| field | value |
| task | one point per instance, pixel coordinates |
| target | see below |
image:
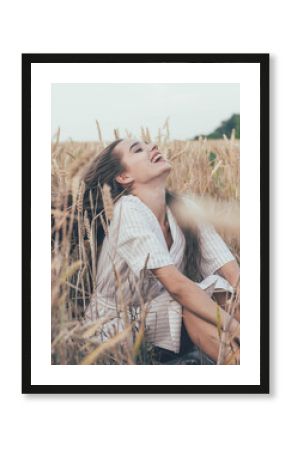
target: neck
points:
(154, 198)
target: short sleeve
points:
(215, 251)
(136, 236)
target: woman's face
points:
(142, 162)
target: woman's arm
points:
(231, 272)
(192, 297)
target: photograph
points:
(148, 187)
(136, 256)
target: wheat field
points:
(208, 171)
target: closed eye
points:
(138, 150)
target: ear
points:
(124, 179)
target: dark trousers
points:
(189, 353)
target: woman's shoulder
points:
(131, 202)
(127, 201)
(130, 206)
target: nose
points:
(154, 147)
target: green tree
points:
(226, 128)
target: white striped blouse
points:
(135, 244)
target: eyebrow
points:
(135, 143)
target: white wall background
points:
(204, 421)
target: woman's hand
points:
(190, 295)
(202, 316)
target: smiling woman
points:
(150, 262)
(140, 163)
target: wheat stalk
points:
(108, 201)
(205, 171)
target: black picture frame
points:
(263, 61)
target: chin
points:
(165, 170)
(167, 167)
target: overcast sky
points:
(192, 108)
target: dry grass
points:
(206, 171)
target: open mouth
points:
(157, 158)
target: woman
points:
(157, 261)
